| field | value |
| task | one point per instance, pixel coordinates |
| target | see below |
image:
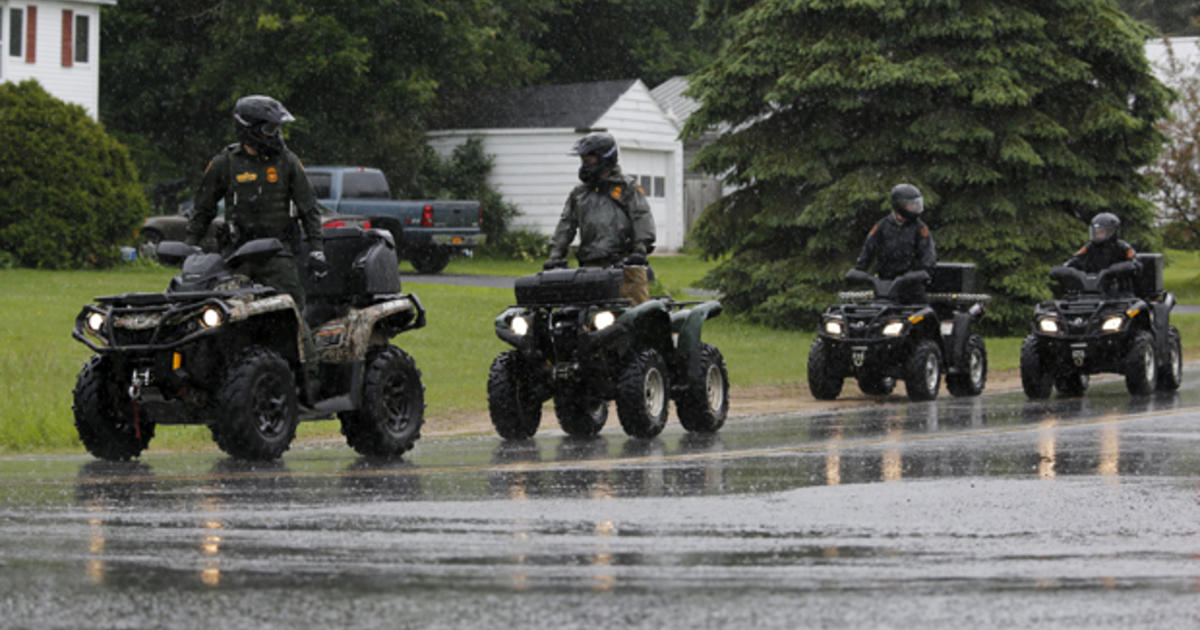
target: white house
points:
(530, 131)
(57, 43)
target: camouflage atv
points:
(218, 350)
(577, 341)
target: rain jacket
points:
(1092, 258)
(613, 220)
(897, 248)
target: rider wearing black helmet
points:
(1106, 247)
(900, 242)
(611, 214)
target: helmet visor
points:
(270, 128)
(1100, 232)
(912, 207)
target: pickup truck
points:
(427, 232)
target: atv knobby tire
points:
(257, 402)
(104, 413)
(515, 409)
(923, 371)
(580, 415)
(703, 404)
(824, 380)
(393, 405)
(971, 382)
(642, 393)
(1170, 370)
(1141, 364)
(1036, 377)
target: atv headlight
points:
(1113, 323)
(211, 317)
(834, 328)
(519, 325)
(893, 328)
(603, 320)
(95, 322)
(1048, 325)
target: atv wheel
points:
(104, 414)
(824, 381)
(1170, 371)
(431, 259)
(873, 383)
(642, 393)
(516, 411)
(257, 401)
(923, 371)
(1140, 364)
(1073, 384)
(1036, 378)
(703, 406)
(971, 382)
(393, 410)
(580, 415)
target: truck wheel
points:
(824, 381)
(1073, 384)
(257, 402)
(1036, 378)
(872, 383)
(515, 410)
(1170, 371)
(431, 259)
(1140, 364)
(642, 393)
(393, 410)
(704, 404)
(104, 414)
(971, 382)
(580, 415)
(923, 371)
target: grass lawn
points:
(39, 360)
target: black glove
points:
(554, 263)
(317, 267)
(635, 259)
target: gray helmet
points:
(1104, 227)
(907, 201)
(602, 145)
(259, 120)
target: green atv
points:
(218, 350)
(577, 341)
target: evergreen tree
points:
(1018, 119)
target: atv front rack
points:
(933, 298)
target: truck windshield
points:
(365, 185)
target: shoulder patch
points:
(874, 229)
(208, 168)
(616, 192)
(1129, 253)
(641, 190)
(1082, 251)
(924, 232)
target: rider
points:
(1105, 249)
(612, 216)
(900, 242)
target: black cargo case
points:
(569, 286)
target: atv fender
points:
(651, 325)
(351, 337)
(957, 346)
(284, 308)
(686, 323)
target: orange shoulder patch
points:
(874, 229)
(206, 168)
(641, 190)
(1129, 253)
(616, 192)
(924, 232)
(1082, 251)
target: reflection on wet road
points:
(991, 511)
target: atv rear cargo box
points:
(562, 286)
(953, 278)
(1149, 282)
(362, 263)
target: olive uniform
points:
(614, 221)
(259, 191)
(897, 248)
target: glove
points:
(554, 263)
(317, 267)
(638, 260)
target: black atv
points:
(897, 330)
(577, 341)
(1115, 321)
(219, 350)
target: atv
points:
(577, 341)
(896, 330)
(1118, 320)
(219, 350)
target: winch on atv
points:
(219, 350)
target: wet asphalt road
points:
(990, 512)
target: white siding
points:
(78, 83)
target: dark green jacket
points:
(258, 192)
(613, 220)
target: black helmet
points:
(602, 145)
(907, 201)
(259, 120)
(1104, 228)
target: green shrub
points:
(69, 193)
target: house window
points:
(82, 35)
(645, 184)
(660, 186)
(16, 22)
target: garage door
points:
(651, 169)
